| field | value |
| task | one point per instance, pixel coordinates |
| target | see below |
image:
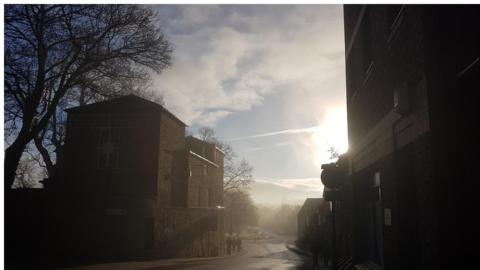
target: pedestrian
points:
(239, 243)
(234, 242)
(229, 244)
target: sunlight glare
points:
(332, 132)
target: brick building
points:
(130, 185)
(412, 74)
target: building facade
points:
(412, 72)
(313, 213)
(130, 185)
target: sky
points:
(270, 80)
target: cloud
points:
(230, 58)
(280, 144)
(281, 132)
(256, 73)
(209, 118)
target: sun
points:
(331, 132)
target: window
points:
(207, 197)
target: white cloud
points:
(230, 62)
(281, 132)
(231, 58)
(209, 118)
(280, 144)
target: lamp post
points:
(333, 178)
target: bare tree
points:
(237, 174)
(207, 134)
(29, 172)
(240, 210)
(53, 50)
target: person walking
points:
(234, 242)
(239, 243)
(229, 244)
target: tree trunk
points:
(12, 157)
(45, 156)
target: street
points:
(270, 254)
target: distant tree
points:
(240, 210)
(282, 219)
(207, 134)
(237, 174)
(58, 51)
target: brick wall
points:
(170, 149)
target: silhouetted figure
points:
(229, 244)
(234, 242)
(315, 245)
(239, 243)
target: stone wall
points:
(190, 232)
(171, 164)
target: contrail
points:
(286, 131)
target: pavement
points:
(277, 253)
(144, 265)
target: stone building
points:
(130, 185)
(412, 74)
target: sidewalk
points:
(143, 265)
(297, 250)
(308, 257)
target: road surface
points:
(269, 254)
